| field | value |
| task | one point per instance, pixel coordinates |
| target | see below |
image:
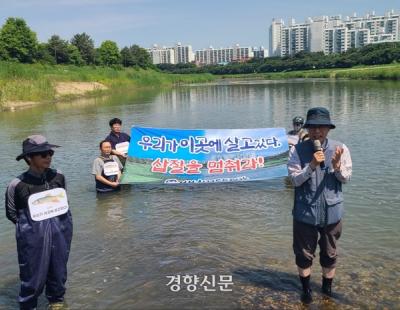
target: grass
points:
(380, 72)
(36, 82)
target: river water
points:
(126, 244)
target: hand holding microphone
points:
(318, 157)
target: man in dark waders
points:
(107, 169)
(318, 167)
(36, 203)
(118, 139)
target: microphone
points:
(317, 147)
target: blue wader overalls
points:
(43, 246)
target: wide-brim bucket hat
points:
(35, 144)
(318, 117)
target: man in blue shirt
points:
(317, 168)
(117, 138)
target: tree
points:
(108, 53)
(97, 57)
(140, 57)
(75, 57)
(3, 52)
(85, 46)
(17, 41)
(58, 48)
(126, 57)
(136, 56)
(43, 54)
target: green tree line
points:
(372, 54)
(18, 43)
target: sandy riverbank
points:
(77, 88)
(62, 89)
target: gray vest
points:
(319, 200)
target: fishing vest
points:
(319, 200)
(101, 187)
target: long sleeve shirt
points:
(299, 175)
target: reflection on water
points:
(125, 244)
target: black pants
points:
(305, 240)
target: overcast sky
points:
(219, 23)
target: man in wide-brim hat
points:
(317, 168)
(43, 236)
(35, 144)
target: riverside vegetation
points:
(37, 82)
(31, 71)
(374, 61)
(379, 72)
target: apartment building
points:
(223, 55)
(241, 54)
(171, 55)
(162, 55)
(333, 34)
(183, 53)
(275, 37)
(260, 52)
(212, 55)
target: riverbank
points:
(23, 85)
(380, 72)
(63, 91)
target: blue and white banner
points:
(176, 156)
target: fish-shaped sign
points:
(48, 204)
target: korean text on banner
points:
(173, 156)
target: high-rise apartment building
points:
(260, 52)
(333, 34)
(275, 37)
(183, 54)
(242, 53)
(223, 55)
(162, 55)
(171, 55)
(212, 55)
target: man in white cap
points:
(37, 204)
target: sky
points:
(217, 23)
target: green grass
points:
(380, 72)
(36, 82)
